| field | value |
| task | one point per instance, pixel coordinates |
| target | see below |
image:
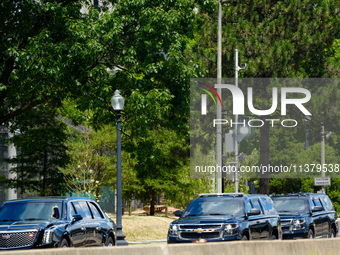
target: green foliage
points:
(229, 186)
(41, 150)
(92, 163)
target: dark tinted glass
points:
(290, 204)
(269, 205)
(257, 205)
(71, 210)
(215, 206)
(317, 202)
(82, 209)
(327, 203)
(96, 213)
(86, 210)
(249, 206)
(29, 211)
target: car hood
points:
(205, 220)
(24, 225)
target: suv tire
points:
(244, 238)
(310, 233)
(64, 243)
(332, 234)
(110, 242)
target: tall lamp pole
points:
(323, 154)
(117, 102)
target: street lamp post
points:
(117, 102)
(323, 154)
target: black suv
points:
(226, 216)
(60, 222)
(306, 215)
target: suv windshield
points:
(28, 211)
(215, 206)
(290, 204)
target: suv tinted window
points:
(291, 204)
(95, 212)
(327, 203)
(257, 205)
(215, 206)
(249, 206)
(268, 204)
(317, 202)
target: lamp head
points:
(117, 101)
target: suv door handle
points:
(258, 222)
(83, 228)
(98, 228)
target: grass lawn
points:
(140, 227)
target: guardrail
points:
(296, 247)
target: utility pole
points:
(219, 107)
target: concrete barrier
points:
(294, 247)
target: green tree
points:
(41, 150)
(275, 39)
(92, 161)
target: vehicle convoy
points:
(59, 222)
(225, 217)
(306, 215)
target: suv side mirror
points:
(76, 217)
(317, 209)
(178, 213)
(253, 212)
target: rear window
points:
(29, 211)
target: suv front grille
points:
(16, 239)
(194, 232)
(286, 225)
(203, 235)
(200, 226)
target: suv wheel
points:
(310, 233)
(64, 243)
(332, 235)
(245, 238)
(274, 237)
(110, 242)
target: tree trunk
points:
(264, 157)
(130, 213)
(152, 207)
(166, 210)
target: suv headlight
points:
(47, 238)
(299, 224)
(230, 229)
(173, 230)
